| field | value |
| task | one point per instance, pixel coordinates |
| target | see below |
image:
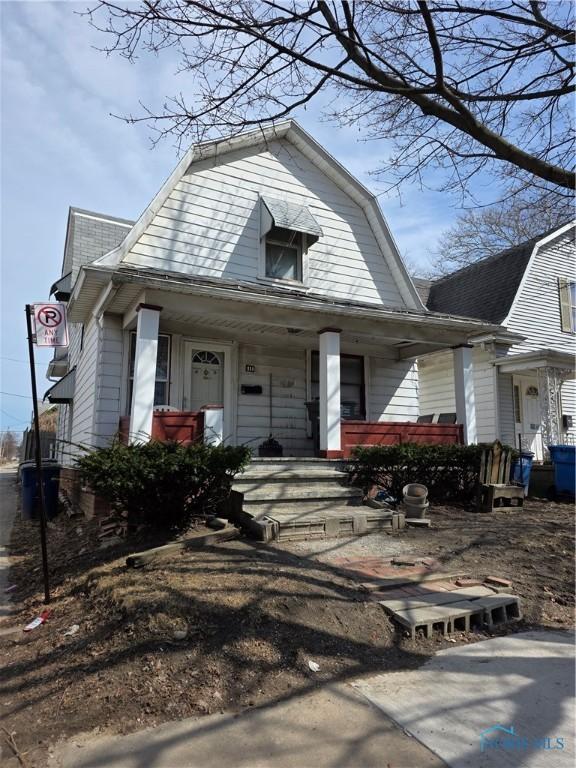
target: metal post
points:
(38, 453)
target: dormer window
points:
(284, 254)
(287, 230)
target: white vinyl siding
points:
(109, 380)
(393, 390)
(437, 395)
(289, 418)
(436, 385)
(568, 401)
(210, 226)
(536, 313)
(84, 394)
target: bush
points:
(163, 484)
(450, 472)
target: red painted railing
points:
(180, 426)
(356, 433)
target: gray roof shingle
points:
(484, 290)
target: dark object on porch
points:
(447, 418)
(495, 488)
(564, 458)
(427, 419)
(251, 389)
(270, 449)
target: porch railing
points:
(179, 426)
(364, 433)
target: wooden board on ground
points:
(196, 541)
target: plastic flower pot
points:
(415, 489)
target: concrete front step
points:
(300, 491)
(339, 521)
(291, 463)
(311, 507)
(259, 474)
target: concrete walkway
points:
(522, 682)
(331, 728)
(8, 507)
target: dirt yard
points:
(236, 626)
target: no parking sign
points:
(50, 326)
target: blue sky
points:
(60, 146)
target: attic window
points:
(286, 231)
(283, 254)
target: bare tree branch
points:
(458, 88)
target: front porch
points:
(318, 376)
(542, 399)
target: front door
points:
(203, 378)
(529, 425)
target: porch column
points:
(549, 384)
(464, 391)
(329, 354)
(144, 383)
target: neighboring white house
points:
(525, 393)
(260, 278)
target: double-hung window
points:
(162, 382)
(283, 254)
(567, 296)
(352, 385)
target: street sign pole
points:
(38, 452)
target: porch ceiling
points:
(257, 309)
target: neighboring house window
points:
(567, 295)
(161, 389)
(284, 254)
(352, 400)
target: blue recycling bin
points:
(521, 469)
(564, 460)
(30, 496)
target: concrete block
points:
(418, 522)
(500, 609)
(444, 618)
(332, 527)
(359, 524)
(400, 520)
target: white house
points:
(261, 277)
(525, 393)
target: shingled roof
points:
(484, 290)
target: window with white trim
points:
(162, 385)
(283, 258)
(567, 296)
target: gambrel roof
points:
(486, 289)
(293, 133)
